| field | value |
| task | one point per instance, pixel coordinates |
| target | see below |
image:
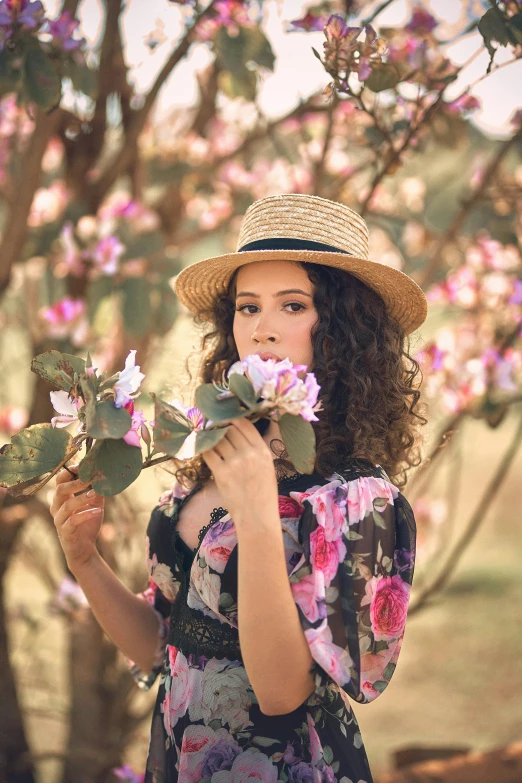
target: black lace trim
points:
(192, 632)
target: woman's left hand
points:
(244, 472)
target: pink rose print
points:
(218, 543)
(333, 659)
(289, 508)
(252, 766)
(326, 554)
(363, 492)
(327, 507)
(310, 597)
(185, 689)
(388, 597)
(316, 749)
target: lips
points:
(267, 355)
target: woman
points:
(264, 623)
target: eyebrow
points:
(279, 293)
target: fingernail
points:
(90, 493)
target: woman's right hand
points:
(78, 520)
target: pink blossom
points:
(127, 774)
(13, 418)
(128, 382)
(67, 407)
(464, 104)
(107, 254)
(309, 23)
(421, 21)
(62, 313)
(69, 597)
(132, 437)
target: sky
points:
(298, 73)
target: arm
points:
(127, 619)
(275, 651)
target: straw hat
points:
(298, 227)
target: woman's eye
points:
(289, 304)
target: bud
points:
(145, 434)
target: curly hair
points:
(362, 364)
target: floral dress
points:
(350, 549)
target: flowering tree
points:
(96, 214)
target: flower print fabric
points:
(350, 550)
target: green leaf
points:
(164, 308)
(217, 410)
(136, 305)
(235, 51)
(207, 439)
(242, 84)
(388, 671)
(379, 519)
(242, 388)
(108, 421)
(515, 27)
(42, 81)
(58, 368)
(99, 289)
(143, 245)
(33, 452)
(384, 76)
(83, 78)
(316, 53)
(299, 439)
(171, 427)
(111, 466)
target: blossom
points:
(277, 383)
(67, 407)
(129, 381)
(127, 774)
(28, 13)
(464, 104)
(132, 437)
(107, 254)
(196, 418)
(62, 30)
(69, 597)
(421, 21)
(309, 23)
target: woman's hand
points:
(77, 519)
(244, 471)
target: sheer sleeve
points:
(352, 584)
(163, 587)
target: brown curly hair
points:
(362, 364)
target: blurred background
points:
(133, 136)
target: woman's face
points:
(274, 311)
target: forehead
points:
(266, 275)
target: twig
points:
(483, 506)
(375, 14)
(119, 164)
(427, 275)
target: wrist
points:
(80, 567)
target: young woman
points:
(276, 598)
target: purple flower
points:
(421, 21)
(516, 296)
(219, 757)
(309, 23)
(107, 254)
(277, 383)
(301, 772)
(62, 30)
(464, 104)
(28, 13)
(402, 559)
(127, 774)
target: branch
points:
(395, 155)
(320, 164)
(13, 240)
(427, 275)
(375, 14)
(483, 506)
(98, 190)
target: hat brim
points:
(199, 284)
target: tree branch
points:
(427, 275)
(98, 190)
(483, 506)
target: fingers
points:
(65, 496)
